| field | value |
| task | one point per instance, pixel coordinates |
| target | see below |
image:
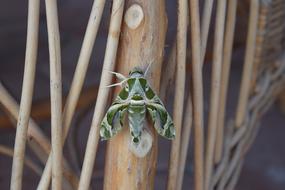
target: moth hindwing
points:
(135, 100)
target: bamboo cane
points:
(227, 52)
(139, 46)
(106, 78)
(206, 21)
(37, 140)
(27, 161)
(168, 74)
(55, 92)
(178, 106)
(186, 132)
(248, 63)
(78, 79)
(197, 96)
(215, 90)
(27, 94)
(35, 136)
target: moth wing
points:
(113, 120)
(161, 118)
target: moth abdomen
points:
(136, 117)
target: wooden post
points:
(141, 43)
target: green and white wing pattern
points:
(161, 118)
(113, 120)
(135, 98)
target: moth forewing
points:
(113, 120)
(161, 119)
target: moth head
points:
(136, 72)
(139, 72)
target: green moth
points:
(136, 100)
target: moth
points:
(136, 100)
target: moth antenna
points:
(147, 69)
(116, 84)
(118, 75)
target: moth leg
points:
(113, 121)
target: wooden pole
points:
(140, 45)
(27, 94)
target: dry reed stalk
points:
(206, 21)
(82, 64)
(235, 176)
(178, 106)
(40, 110)
(168, 74)
(139, 46)
(35, 136)
(27, 161)
(215, 90)
(78, 79)
(197, 96)
(27, 94)
(106, 78)
(248, 64)
(37, 140)
(186, 132)
(227, 54)
(55, 92)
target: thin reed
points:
(137, 38)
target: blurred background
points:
(264, 166)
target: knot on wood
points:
(134, 16)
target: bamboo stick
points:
(35, 137)
(106, 78)
(206, 21)
(248, 64)
(179, 92)
(215, 90)
(27, 161)
(55, 92)
(186, 132)
(139, 46)
(227, 54)
(197, 96)
(40, 110)
(78, 79)
(37, 140)
(27, 94)
(168, 74)
(82, 64)
(235, 176)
